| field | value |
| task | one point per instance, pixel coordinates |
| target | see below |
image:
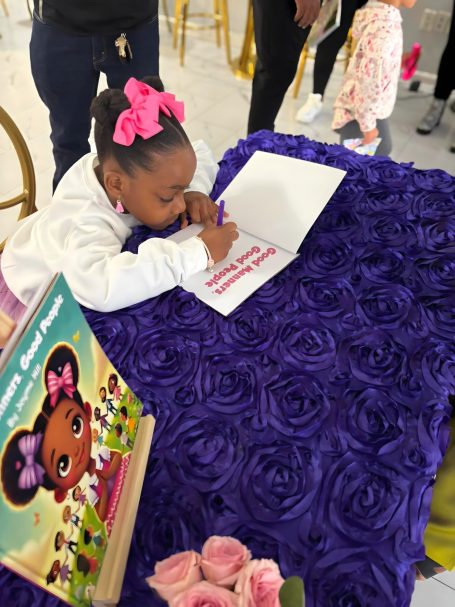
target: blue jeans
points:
(66, 70)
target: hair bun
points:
(155, 82)
(107, 107)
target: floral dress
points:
(370, 84)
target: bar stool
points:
(220, 19)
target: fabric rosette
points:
(209, 451)
(373, 356)
(168, 358)
(297, 405)
(278, 483)
(370, 499)
(229, 383)
(307, 346)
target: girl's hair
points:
(13, 460)
(107, 107)
(124, 411)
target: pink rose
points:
(205, 594)
(259, 584)
(175, 574)
(222, 560)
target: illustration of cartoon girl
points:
(111, 408)
(55, 454)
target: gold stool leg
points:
(243, 66)
(178, 13)
(216, 15)
(5, 8)
(225, 19)
(166, 14)
(182, 44)
(300, 70)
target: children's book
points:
(327, 22)
(274, 200)
(73, 451)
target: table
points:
(311, 422)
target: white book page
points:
(249, 264)
(278, 198)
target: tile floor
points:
(217, 107)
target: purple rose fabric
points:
(311, 422)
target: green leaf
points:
(292, 593)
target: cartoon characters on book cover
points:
(67, 427)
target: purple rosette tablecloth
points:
(310, 423)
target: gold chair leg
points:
(178, 14)
(166, 14)
(227, 39)
(217, 13)
(5, 8)
(182, 43)
(300, 70)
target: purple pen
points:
(219, 221)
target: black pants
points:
(446, 73)
(279, 42)
(66, 69)
(327, 51)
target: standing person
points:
(369, 90)
(281, 28)
(71, 43)
(326, 54)
(445, 84)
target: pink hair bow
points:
(64, 382)
(142, 117)
(32, 474)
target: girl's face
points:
(154, 198)
(66, 444)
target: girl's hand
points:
(200, 208)
(219, 239)
(369, 136)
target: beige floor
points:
(216, 107)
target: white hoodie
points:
(81, 235)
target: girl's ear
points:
(88, 409)
(59, 495)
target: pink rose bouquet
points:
(223, 576)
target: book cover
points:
(274, 200)
(68, 424)
(327, 22)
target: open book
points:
(73, 452)
(274, 200)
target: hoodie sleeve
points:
(206, 169)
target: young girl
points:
(55, 454)
(144, 173)
(369, 89)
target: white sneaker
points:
(310, 109)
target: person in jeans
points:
(326, 54)
(281, 28)
(445, 84)
(71, 44)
